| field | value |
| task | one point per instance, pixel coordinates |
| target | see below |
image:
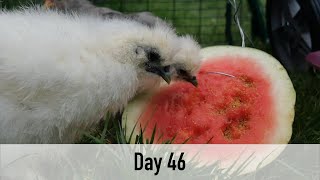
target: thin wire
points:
(246, 37)
(222, 73)
(236, 18)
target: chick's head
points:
(186, 61)
(159, 53)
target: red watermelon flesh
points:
(254, 106)
(221, 108)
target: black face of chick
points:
(186, 76)
(154, 65)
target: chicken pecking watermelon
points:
(252, 103)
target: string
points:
(221, 73)
(237, 21)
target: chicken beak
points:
(192, 80)
(162, 71)
(165, 75)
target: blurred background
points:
(210, 21)
(287, 29)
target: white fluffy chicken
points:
(60, 73)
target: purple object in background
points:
(314, 59)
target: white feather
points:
(59, 73)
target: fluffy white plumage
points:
(59, 73)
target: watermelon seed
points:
(248, 82)
(243, 124)
(227, 133)
(236, 103)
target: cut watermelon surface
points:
(256, 105)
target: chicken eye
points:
(166, 68)
(153, 56)
(182, 72)
(139, 50)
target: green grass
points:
(306, 126)
(208, 26)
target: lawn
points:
(205, 20)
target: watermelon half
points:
(253, 107)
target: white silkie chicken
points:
(60, 73)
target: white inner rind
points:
(132, 114)
(282, 91)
